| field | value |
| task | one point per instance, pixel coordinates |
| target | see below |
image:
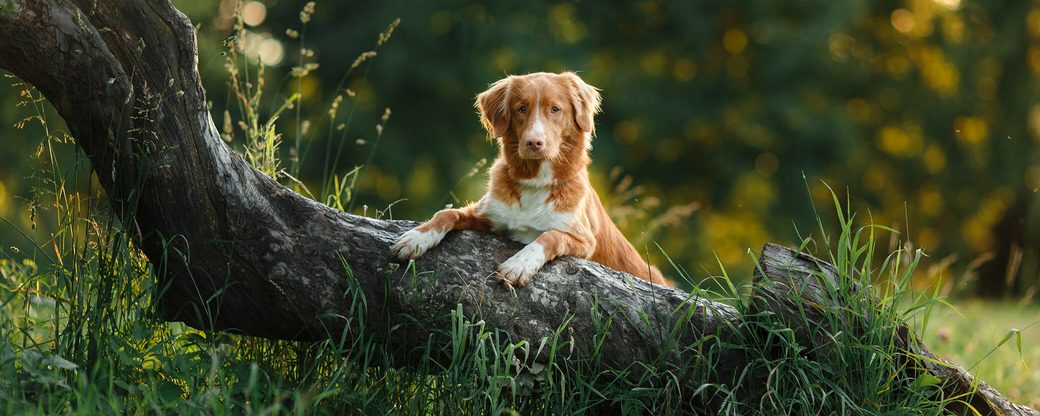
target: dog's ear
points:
(585, 99)
(494, 107)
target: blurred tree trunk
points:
(240, 252)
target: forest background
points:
(723, 123)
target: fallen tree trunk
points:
(239, 252)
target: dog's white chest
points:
(534, 214)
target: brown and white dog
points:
(538, 192)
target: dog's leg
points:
(418, 240)
(520, 268)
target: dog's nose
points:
(535, 143)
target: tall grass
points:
(852, 365)
(79, 334)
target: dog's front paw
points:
(414, 243)
(519, 269)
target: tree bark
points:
(239, 252)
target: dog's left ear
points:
(585, 99)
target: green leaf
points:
(56, 361)
(169, 392)
(926, 380)
(1008, 336)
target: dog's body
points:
(539, 191)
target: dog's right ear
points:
(494, 107)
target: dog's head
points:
(540, 115)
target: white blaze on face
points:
(535, 131)
(537, 128)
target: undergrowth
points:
(79, 334)
(852, 364)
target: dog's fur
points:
(539, 191)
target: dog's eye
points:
(522, 109)
(555, 109)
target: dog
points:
(538, 191)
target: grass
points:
(847, 362)
(78, 334)
(970, 334)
